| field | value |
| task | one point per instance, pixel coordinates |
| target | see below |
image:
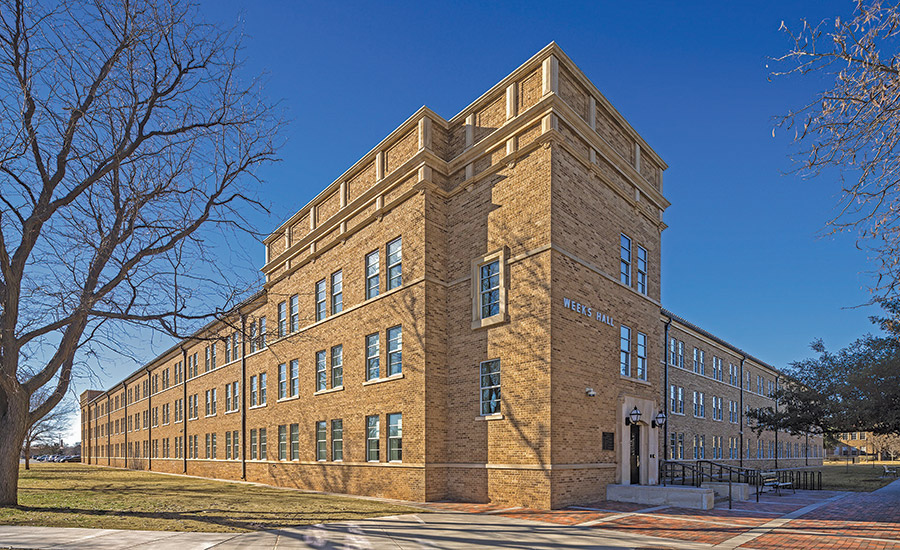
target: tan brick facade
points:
(540, 175)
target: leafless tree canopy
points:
(854, 125)
(126, 132)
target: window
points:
(676, 397)
(235, 396)
(372, 274)
(677, 446)
(262, 388)
(490, 289)
(641, 356)
(321, 441)
(227, 397)
(228, 446)
(490, 387)
(625, 260)
(253, 391)
(282, 381)
(206, 367)
(395, 437)
(212, 355)
(295, 441)
(732, 374)
(294, 312)
(718, 370)
(642, 270)
(337, 366)
(733, 412)
(211, 402)
(295, 377)
(253, 441)
(282, 442)
(394, 263)
(321, 375)
(673, 353)
(717, 409)
(337, 440)
(337, 292)
(262, 333)
(235, 345)
(372, 437)
(625, 351)
(395, 350)
(372, 357)
(214, 451)
(253, 340)
(282, 319)
(681, 354)
(699, 446)
(699, 407)
(262, 444)
(321, 307)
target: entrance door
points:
(635, 454)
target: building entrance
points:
(635, 454)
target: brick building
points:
(469, 312)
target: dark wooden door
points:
(635, 454)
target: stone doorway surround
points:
(649, 441)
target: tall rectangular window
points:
(641, 356)
(263, 451)
(228, 446)
(262, 388)
(262, 333)
(337, 292)
(253, 442)
(395, 437)
(295, 377)
(295, 441)
(282, 381)
(337, 440)
(702, 363)
(321, 301)
(673, 353)
(212, 355)
(490, 387)
(282, 442)
(372, 357)
(394, 263)
(235, 396)
(282, 319)
(395, 350)
(235, 346)
(490, 289)
(294, 311)
(253, 391)
(373, 266)
(227, 397)
(321, 374)
(625, 259)
(206, 359)
(373, 433)
(253, 340)
(235, 445)
(337, 366)
(321, 440)
(625, 351)
(214, 450)
(642, 270)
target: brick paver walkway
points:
(805, 520)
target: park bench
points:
(770, 481)
(890, 472)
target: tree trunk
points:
(27, 454)
(12, 435)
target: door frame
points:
(649, 441)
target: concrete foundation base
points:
(739, 491)
(699, 498)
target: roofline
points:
(682, 321)
(146, 366)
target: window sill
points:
(491, 321)
(635, 380)
(397, 376)
(209, 415)
(283, 399)
(257, 406)
(232, 412)
(329, 390)
(489, 417)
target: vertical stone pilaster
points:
(592, 113)
(470, 130)
(511, 101)
(424, 133)
(551, 75)
(379, 166)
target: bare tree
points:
(854, 125)
(127, 137)
(48, 428)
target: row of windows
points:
(329, 292)
(762, 449)
(764, 386)
(676, 405)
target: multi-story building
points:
(470, 312)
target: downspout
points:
(243, 396)
(741, 411)
(108, 435)
(665, 389)
(149, 420)
(776, 427)
(184, 411)
(125, 419)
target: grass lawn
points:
(858, 477)
(76, 495)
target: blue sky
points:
(744, 255)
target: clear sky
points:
(745, 255)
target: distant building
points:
(469, 312)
